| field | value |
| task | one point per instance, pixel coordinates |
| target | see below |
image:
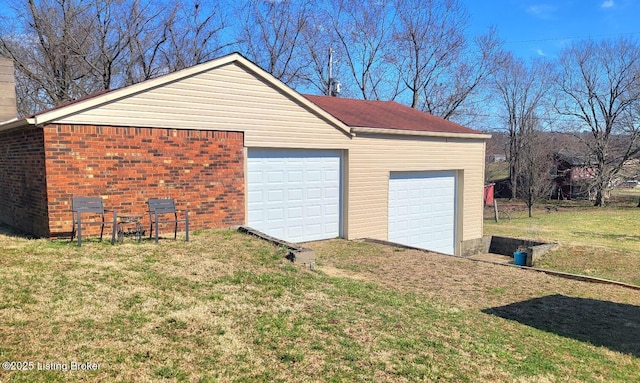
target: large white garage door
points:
(422, 210)
(294, 194)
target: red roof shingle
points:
(385, 115)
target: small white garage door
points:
(294, 194)
(422, 210)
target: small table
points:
(129, 224)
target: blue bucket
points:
(520, 258)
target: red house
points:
(572, 174)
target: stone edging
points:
(561, 274)
(296, 254)
(577, 277)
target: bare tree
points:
(429, 37)
(65, 49)
(535, 159)
(438, 65)
(194, 34)
(599, 91)
(318, 41)
(104, 45)
(521, 91)
(147, 30)
(362, 31)
(465, 78)
(317, 49)
(271, 36)
(45, 44)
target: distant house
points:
(496, 158)
(572, 175)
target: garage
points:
(294, 194)
(237, 147)
(422, 210)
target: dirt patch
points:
(453, 280)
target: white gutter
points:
(400, 132)
(16, 123)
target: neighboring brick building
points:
(236, 146)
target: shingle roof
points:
(385, 115)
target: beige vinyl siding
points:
(371, 159)
(225, 98)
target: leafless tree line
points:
(416, 52)
(594, 88)
(66, 49)
(412, 51)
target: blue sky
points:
(532, 28)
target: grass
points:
(227, 307)
(497, 171)
(602, 242)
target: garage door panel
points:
(314, 175)
(331, 175)
(314, 212)
(332, 192)
(295, 212)
(275, 214)
(295, 194)
(275, 196)
(422, 210)
(295, 176)
(305, 184)
(275, 177)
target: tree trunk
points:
(599, 198)
(513, 174)
(530, 202)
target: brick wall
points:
(202, 170)
(23, 189)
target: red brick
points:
(127, 166)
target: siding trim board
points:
(380, 131)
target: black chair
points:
(89, 206)
(163, 210)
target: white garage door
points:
(422, 210)
(294, 194)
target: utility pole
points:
(330, 83)
(334, 86)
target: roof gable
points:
(109, 97)
(350, 116)
(386, 115)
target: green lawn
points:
(227, 307)
(602, 242)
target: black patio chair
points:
(93, 207)
(163, 210)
